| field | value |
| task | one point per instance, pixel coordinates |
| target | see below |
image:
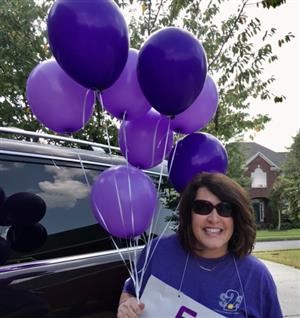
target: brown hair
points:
(244, 232)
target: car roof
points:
(41, 147)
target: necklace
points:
(208, 269)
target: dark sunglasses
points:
(202, 207)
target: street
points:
(277, 245)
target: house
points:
(262, 167)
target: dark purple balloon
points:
(57, 100)
(2, 196)
(26, 238)
(3, 214)
(146, 137)
(125, 95)
(4, 251)
(171, 70)
(132, 190)
(89, 40)
(199, 114)
(24, 208)
(195, 153)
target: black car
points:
(76, 270)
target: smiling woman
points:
(205, 269)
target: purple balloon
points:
(199, 114)
(142, 140)
(23, 208)
(27, 238)
(195, 153)
(125, 95)
(171, 70)
(57, 101)
(89, 40)
(124, 201)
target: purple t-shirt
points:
(231, 287)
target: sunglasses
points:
(202, 207)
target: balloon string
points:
(123, 259)
(172, 159)
(146, 263)
(154, 141)
(148, 256)
(119, 203)
(159, 182)
(131, 271)
(84, 107)
(136, 281)
(101, 217)
(105, 126)
(150, 237)
(56, 166)
(164, 155)
(84, 173)
(124, 136)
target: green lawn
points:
(287, 257)
(266, 235)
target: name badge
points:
(164, 301)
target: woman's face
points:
(211, 231)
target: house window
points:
(258, 178)
(259, 211)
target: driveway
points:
(287, 280)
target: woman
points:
(209, 258)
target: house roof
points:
(252, 149)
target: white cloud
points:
(63, 193)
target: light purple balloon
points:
(142, 140)
(125, 95)
(56, 100)
(202, 110)
(124, 201)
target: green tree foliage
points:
(22, 46)
(234, 61)
(285, 195)
(236, 165)
(272, 3)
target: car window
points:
(64, 187)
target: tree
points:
(23, 44)
(236, 165)
(285, 195)
(233, 59)
(272, 3)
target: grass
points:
(286, 257)
(274, 235)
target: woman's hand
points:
(129, 307)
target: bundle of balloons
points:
(22, 212)
(162, 89)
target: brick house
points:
(262, 167)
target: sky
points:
(285, 117)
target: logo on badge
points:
(230, 300)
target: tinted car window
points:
(70, 224)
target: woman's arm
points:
(129, 306)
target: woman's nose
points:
(213, 216)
